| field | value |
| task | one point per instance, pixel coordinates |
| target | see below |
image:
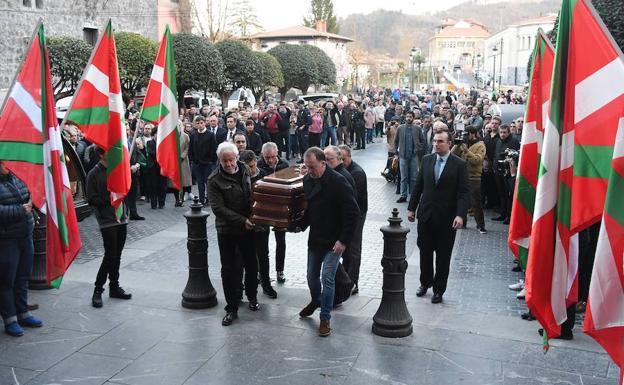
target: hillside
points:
(394, 33)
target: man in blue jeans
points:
(409, 147)
(332, 215)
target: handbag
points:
(395, 164)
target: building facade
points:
(507, 53)
(335, 46)
(78, 18)
(457, 43)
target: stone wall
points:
(68, 18)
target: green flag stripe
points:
(153, 113)
(21, 152)
(523, 256)
(592, 161)
(57, 282)
(615, 204)
(526, 194)
(564, 204)
(114, 156)
(89, 116)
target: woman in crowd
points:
(16, 253)
(316, 128)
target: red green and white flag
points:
(97, 109)
(161, 108)
(604, 316)
(32, 148)
(535, 119)
(586, 105)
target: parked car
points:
(315, 98)
(241, 95)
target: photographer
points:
(501, 166)
(471, 148)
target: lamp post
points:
(500, 67)
(495, 49)
(412, 59)
(478, 66)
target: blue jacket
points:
(15, 223)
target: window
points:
(27, 3)
(302, 42)
(282, 42)
(461, 43)
(90, 35)
(39, 4)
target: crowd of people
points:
(459, 136)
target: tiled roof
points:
(298, 31)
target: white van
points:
(240, 95)
(315, 98)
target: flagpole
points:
(84, 74)
(21, 65)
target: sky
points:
(275, 14)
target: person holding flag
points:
(113, 228)
(16, 253)
(98, 109)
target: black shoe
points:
(421, 291)
(280, 277)
(401, 199)
(566, 335)
(506, 221)
(516, 269)
(528, 316)
(437, 298)
(118, 292)
(96, 300)
(309, 309)
(136, 217)
(254, 305)
(179, 204)
(355, 290)
(499, 218)
(482, 230)
(229, 318)
(269, 291)
(161, 207)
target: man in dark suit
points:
(442, 196)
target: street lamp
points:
(495, 50)
(413, 59)
(478, 72)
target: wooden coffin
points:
(278, 198)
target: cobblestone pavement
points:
(474, 337)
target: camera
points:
(461, 137)
(506, 159)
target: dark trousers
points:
(282, 141)
(352, 257)
(315, 139)
(503, 195)
(201, 172)
(360, 137)
(379, 129)
(157, 187)
(435, 238)
(232, 264)
(16, 261)
(488, 187)
(261, 244)
(114, 239)
(476, 200)
(302, 137)
(132, 195)
(588, 239)
(280, 249)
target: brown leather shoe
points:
(324, 329)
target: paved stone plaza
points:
(475, 337)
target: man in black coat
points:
(269, 163)
(203, 155)
(505, 141)
(442, 196)
(332, 215)
(353, 256)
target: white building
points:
(514, 46)
(335, 46)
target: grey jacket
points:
(418, 137)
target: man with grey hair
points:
(230, 198)
(333, 157)
(269, 163)
(353, 256)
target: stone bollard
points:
(392, 318)
(199, 292)
(37, 279)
